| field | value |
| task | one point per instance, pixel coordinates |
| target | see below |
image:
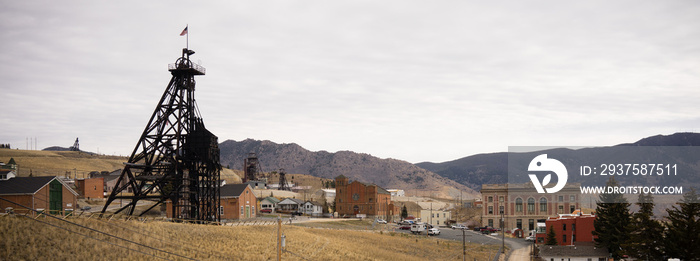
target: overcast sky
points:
(410, 80)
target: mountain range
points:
(387, 173)
(446, 178)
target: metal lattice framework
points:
(176, 160)
(283, 181)
(76, 146)
(251, 168)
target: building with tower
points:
(359, 198)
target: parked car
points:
(488, 230)
(85, 208)
(433, 231)
(458, 226)
(381, 221)
(266, 210)
(530, 238)
(405, 227)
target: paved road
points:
(519, 247)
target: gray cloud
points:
(408, 80)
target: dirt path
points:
(520, 254)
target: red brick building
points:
(236, 202)
(90, 188)
(570, 229)
(40, 193)
(353, 198)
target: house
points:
(39, 193)
(90, 188)
(110, 180)
(570, 229)
(269, 203)
(237, 202)
(290, 205)
(7, 174)
(358, 198)
(573, 253)
(435, 217)
(397, 192)
(313, 208)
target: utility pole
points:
(464, 246)
(279, 237)
(503, 232)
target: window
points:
(573, 227)
(564, 227)
(573, 239)
(519, 205)
(370, 200)
(500, 199)
(541, 240)
(340, 200)
(572, 208)
(500, 210)
(221, 210)
(519, 223)
(490, 209)
(563, 238)
(242, 210)
(432, 215)
(561, 209)
(543, 204)
(531, 205)
(490, 222)
(572, 198)
(490, 199)
(531, 224)
(561, 198)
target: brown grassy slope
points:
(24, 239)
(57, 163)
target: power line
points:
(97, 231)
(87, 236)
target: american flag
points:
(184, 32)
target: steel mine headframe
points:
(251, 168)
(283, 181)
(176, 160)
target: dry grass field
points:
(57, 163)
(25, 239)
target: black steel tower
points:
(76, 146)
(251, 168)
(283, 181)
(176, 160)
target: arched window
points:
(519, 205)
(530, 205)
(543, 204)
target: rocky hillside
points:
(387, 173)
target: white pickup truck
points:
(418, 228)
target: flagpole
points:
(188, 36)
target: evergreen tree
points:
(612, 219)
(683, 229)
(404, 212)
(551, 237)
(646, 233)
